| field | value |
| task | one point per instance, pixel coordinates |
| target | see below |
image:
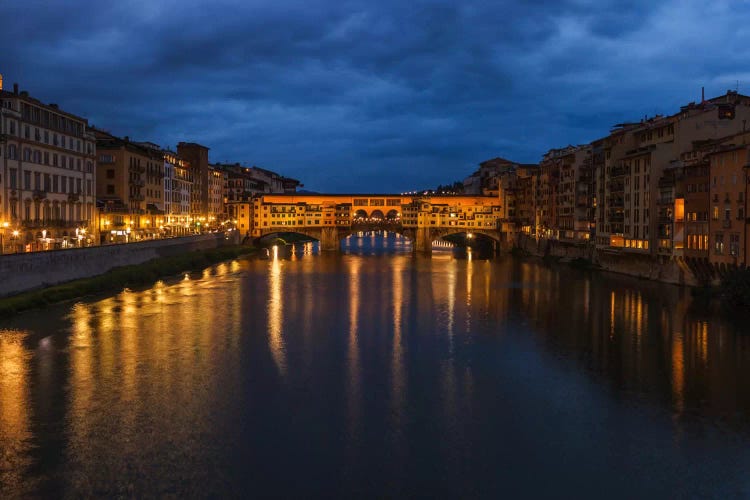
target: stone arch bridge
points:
(331, 218)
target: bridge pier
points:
(329, 239)
(423, 240)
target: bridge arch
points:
(285, 237)
(392, 214)
(464, 233)
(377, 214)
(360, 214)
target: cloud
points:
(407, 94)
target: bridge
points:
(331, 217)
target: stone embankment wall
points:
(28, 271)
(674, 271)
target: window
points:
(10, 152)
(13, 178)
(26, 179)
(734, 244)
(719, 244)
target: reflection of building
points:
(47, 175)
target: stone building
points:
(47, 176)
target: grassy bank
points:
(120, 277)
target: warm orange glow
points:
(275, 313)
(616, 241)
(679, 209)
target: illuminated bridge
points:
(330, 218)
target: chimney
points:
(15, 88)
(703, 94)
(1, 82)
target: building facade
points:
(48, 177)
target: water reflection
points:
(15, 411)
(275, 312)
(388, 376)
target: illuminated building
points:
(728, 202)
(47, 175)
(178, 184)
(126, 172)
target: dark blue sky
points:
(385, 95)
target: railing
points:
(39, 194)
(726, 223)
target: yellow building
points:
(123, 168)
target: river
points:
(376, 373)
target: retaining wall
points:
(674, 271)
(28, 271)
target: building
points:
(638, 171)
(197, 156)
(216, 214)
(178, 185)
(123, 168)
(47, 160)
(728, 201)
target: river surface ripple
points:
(377, 375)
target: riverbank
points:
(120, 277)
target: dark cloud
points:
(404, 94)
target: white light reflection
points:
(275, 313)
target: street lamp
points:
(14, 234)
(2, 237)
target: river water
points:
(376, 373)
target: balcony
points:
(726, 223)
(138, 183)
(39, 194)
(137, 197)
(74, 197)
